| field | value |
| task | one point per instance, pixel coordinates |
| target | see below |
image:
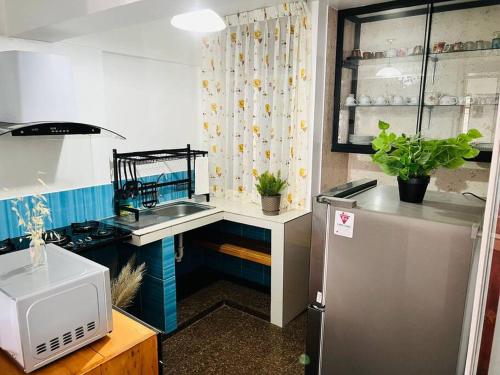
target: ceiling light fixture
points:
(389, 71)
(203, 21)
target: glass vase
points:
(38, 253)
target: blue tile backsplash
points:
(88, 203)
(67, 206)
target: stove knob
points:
(88, 239)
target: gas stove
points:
(76, 237)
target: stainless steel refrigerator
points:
(390, 281)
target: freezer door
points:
(320, 223)
(395, 296)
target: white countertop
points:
(253, 210)
(245, 212)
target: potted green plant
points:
(270, 187)
(413, 158)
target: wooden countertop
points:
(94, 358)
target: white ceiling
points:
(56, 20)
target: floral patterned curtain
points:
(255, 99)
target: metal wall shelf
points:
(128, 185)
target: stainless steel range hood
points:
(54, 129)
(37, 97)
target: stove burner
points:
(56, 238)
(84, 226)
(70, 245)
(6, 246)
(79, 237)
(103, 233)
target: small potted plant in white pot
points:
(270, 187)
(413, 158)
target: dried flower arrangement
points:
(31, 215)
(125, 287)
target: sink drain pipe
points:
(179, 247)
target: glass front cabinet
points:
(432, 68)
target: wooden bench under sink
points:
(236, 246)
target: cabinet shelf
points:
(471, 75)
(239, 247)
(345, 107)
(351, 63)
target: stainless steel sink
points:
(180, 209)
(159, 215)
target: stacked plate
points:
(358, 139)
(481, 146)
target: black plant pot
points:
(413, 190)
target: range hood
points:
(37, 97)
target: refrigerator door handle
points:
(347, 190)
(337, 202)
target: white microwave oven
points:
(49, 311)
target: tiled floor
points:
(222, 290)
(229, 341)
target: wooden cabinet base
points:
(130, 349)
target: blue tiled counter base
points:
(158, 302)
(240, 268)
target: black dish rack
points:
(127, 185)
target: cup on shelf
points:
(364, 100)
(392, 52)
(431, 98)
(464, 100)
(438, 47)
(491, 99)
(470, 45)
(418, 50)
(380, 100)
(495, 42)
(412, 100)
(458, 46)
(397, 100)
(481, 99)
(379, 55)
(356, 54)
(447, 48)
(448, 100)
(350, 100)
(486, 99)
(367, 55)
(481, 44)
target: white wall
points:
(151, 101)
(156, 100)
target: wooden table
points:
(130, 349)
